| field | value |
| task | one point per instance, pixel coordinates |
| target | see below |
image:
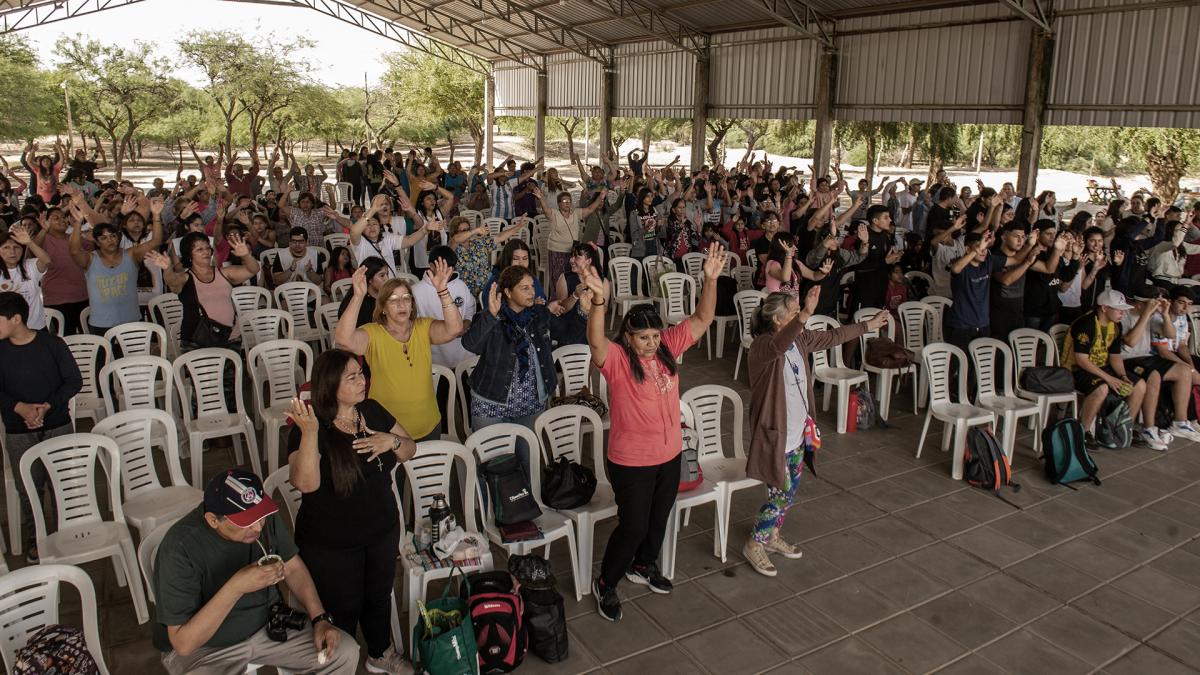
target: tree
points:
(437, 95)
(941, 144)
(874, 136)
(719, 128)
(270, 83)
(222, 57)
(569, 125)
(755, 131)
(124, 88)
(31, 106)
(1167, 153)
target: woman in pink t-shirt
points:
(644, 440)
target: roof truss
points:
(1033, 10)
(802, 18)
(21, 14)
(656, 22)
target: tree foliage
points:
(30, 106)
(439, 97)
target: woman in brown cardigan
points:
(781, 392)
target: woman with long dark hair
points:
(570, 328)
(341, 456)
(644, 443)
(515, 252)
(644, 224)
(24, 275)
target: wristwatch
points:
(323, 616)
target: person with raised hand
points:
(642, 460)
(397, 346)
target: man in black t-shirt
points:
(871, 275)
(214, 580)
(939, 218)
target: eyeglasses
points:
(399, 299)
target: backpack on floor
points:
(865, 415)
(545, 611)
(497, 615)
(984, 463)
(1065, 454)
(1114, 426)
(508, 490)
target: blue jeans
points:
(522, 450)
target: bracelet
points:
(598, 304)
(444, 291)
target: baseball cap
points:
(238, 495)
(915, 181)
(1113, 299)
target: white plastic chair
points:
(340, 289)
(619, 250)
(915, 319)
(693, 265)
(678, 299)
(462, 373)
(744, 276)
(476, 217)
(707, 404)
(829, 369)
(251, 298)
(296, 297)
(277, 369)
(29, 600)
(82, 534)
(1058, 333)
(655, 266)
(342, 201)
(327, 318)
(575, 362)
(147, 501)
(501, 439)
(12, 503)
(708, 491)
(441, 372)
(922, 276)
(137, 383)
(264, 325)
(938, 358)
(885, 376)
(495, 225)
(56, 323)
(138, 338)
(429, 473)
(147, 549)
(746, 302)
(994, 391)
(560, 431)
(167, 311)
(621, 286)
(91, 352)
(336, 240)
(206, 414)
(1026, 345)
(934, 330)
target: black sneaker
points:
(1090, 442)
(648, 575)
(607, 602)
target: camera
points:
(280, 618)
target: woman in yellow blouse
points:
(397, 347)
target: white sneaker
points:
(1153, 440)
(1185, 430)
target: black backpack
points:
(1114, 426)
(1047, 380)
(498, 617)
(508, 490)
(1065, 454)
(567, 484)
(984, 463)
(545, 611)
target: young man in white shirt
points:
(297, 262)
(428, 304)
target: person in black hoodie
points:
(1135, 236)
(1044, 279)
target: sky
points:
(343, 53)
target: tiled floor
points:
(904, 570)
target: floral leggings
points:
(771, 515)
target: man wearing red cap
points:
(214, 584)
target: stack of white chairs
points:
(994, 365)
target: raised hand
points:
(358, 282)
(715, 262)
(591, 279)
(811, 299)
(1118, 257)
(440, 274)
(302, 416)
(1061, 243)
(159, 260)
(878, 321)
(494, 300)
(826, 267)
(156, 205)
(20, 234)
(237, 245)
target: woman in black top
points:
(341, 456)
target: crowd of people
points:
(430, 285)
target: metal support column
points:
(823, 134)
(607, 104)
(699, 112)
(1037, 86)
(489, 119)
(539, 127)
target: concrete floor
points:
(904, 570)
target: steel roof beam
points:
(657, 23)
(432, 20)
(392, 31)
(41, 12)
(1033, 11)
(802, 18)
(534, 22)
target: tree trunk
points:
(719, 130)
(906, 157)
(140, 141)
(1165, 170)
(872, 154)
(645, 139)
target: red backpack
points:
(497, 614)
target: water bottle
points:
(441, 519)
